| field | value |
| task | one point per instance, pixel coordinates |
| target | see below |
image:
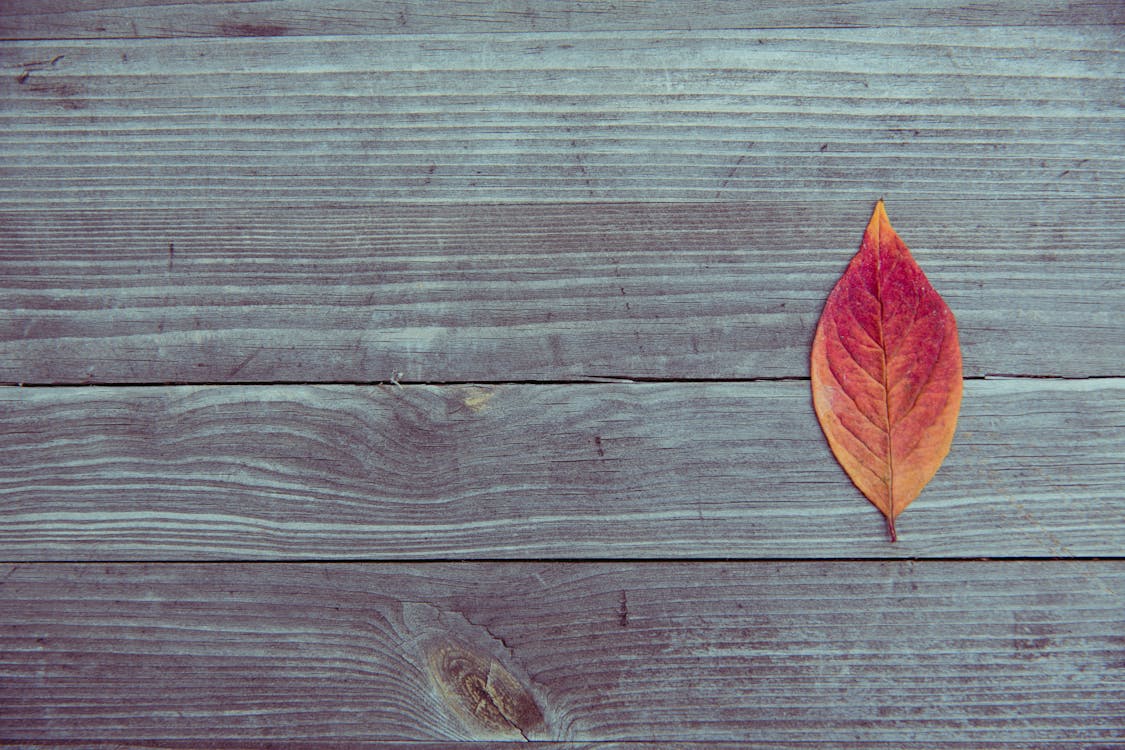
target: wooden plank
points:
(946, 113)
(27, 19)
(521, 744)
(442, 745)
(440, 293)
(471, 745)
(689, 470)
(1017, 654)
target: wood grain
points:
(943, 113)
(261, 209)
(24, 19)
(473, 194)
(437, 293)
(1018, 654)
(534, 471)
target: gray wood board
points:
(848, 654)
(666, 116)
(257, 18)
(440, 293)
(520, 744)
(688, 470)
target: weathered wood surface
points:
(943, 113)
(207, 210)
(30, 19)
(860, 655)
(362, 744)
(469, 194)
(534, 471)
(430, 293)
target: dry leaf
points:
(886, 372)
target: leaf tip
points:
(879, 215)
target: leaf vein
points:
(844, 389)
(855, 359)
(925, 384)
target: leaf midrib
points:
(885, 380)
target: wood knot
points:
(476, 398)
(485, 695)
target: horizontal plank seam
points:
(573, 561)
(561, 33)
(591, 380)
(190, 206)
(404, 203)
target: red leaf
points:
(886, 372)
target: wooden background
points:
(403, 375)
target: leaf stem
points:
(891, 528)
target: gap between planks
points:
(589, 381)
(404, 562)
